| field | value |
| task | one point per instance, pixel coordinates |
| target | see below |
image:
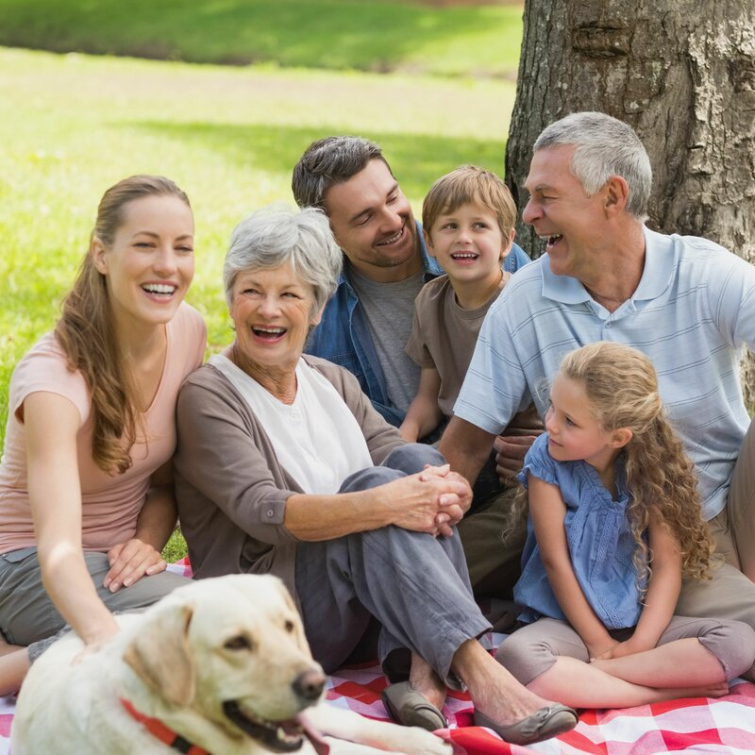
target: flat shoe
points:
(542, 724)
(408, 707)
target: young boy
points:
(468, 223)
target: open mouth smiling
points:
(268, 333)
(551, 240)
(394, 238)
(279, 736)
(464, 256)
(160, 289)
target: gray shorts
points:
(28, 616)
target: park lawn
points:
(72, 125)
(382, 36)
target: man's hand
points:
(510, 453)
(129, 562)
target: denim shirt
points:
(600, 540)
(343, 335)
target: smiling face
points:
(373, 223)
(272, 311)
(561, 212)
(573, 432)
(150, 264)
(469, 245)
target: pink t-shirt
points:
(110, 502)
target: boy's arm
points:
(548, 511)
(423, 414)
(664, 587)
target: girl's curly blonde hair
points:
(622, 389)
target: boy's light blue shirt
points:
(691, 313)
(343, 335)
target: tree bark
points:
(681, 73)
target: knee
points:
(412, 457)
(524, 658)
(733, 643)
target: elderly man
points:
(686, 302)
(366, 325)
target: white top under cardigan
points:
(316, 438)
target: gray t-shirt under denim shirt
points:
(389, 310)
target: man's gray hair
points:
(278, 235)
(605, 147)
(328, 162)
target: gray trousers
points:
(415, 585)
(532, 650)
(28, 616)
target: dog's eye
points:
(240, 642)
(289, 626)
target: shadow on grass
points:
(339, 34)
(416, 160)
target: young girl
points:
(86, 497)
(615, 521)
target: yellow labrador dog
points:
(219, 667)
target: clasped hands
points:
(432, 501)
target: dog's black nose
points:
(309, 685)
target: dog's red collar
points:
(158, 729)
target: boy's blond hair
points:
(467, 184)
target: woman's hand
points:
(452, 510)
(129, 562)
(96, 641)
(430, 501)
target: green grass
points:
(70, 126)
(336, 34)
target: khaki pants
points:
(731, 592)
(494, 562)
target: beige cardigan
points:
(231, 490)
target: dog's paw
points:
(419, 742)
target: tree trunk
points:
(681, 73)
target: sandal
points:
(408, 707)
(542, 724)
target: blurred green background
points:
(434, 85)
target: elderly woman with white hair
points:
(283, 467)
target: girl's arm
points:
(423, 414)
(52, 423)
(548, 511)
(663, 591)
(142, 555)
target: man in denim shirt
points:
(367, 323)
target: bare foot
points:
(715, 689)
(427, 682)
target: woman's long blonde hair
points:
(86, 334)
(622, 389)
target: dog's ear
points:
(161, 655)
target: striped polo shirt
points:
(691, 314)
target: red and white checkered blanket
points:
(725, 726)
(717, 727)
